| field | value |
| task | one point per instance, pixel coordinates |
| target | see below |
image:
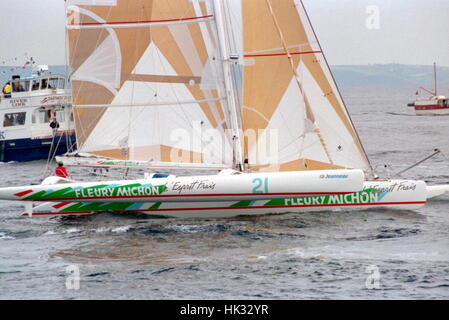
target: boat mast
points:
(435, 78)
(230, 92)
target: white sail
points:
(148, 81)
(288, 88)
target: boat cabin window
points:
(53, 83)
(44, 83)
(44, 116)
(60, 116)
(61, 83)
(35, 84)
(20, 86)
(14, 119)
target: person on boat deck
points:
(54, 124)
(7, 90)
(61, 171)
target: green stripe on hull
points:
(99, 191)
(365, 196)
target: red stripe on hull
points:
(60, 205)
(431, 107)
(23, 193)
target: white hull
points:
(250, 186)
(434, 106)
(437, 191)
(432, 112)
(393, 194)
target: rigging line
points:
(82, 83)
(373, 173)
(52, 152)
(96, 46)
(435, 152)
(183, 115)
(290, 58)
(56, 148)
(48, 158)
(186, 119)
(207, 35)
(128, 138)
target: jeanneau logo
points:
(333, 176)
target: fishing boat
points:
(26, 113)
(239, 88)
(434, 104)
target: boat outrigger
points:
(186, 84)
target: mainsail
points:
(148, 82)
(288, 91)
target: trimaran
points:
(240, 86)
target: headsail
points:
(288, 91)
(148, 81)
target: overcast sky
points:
(406, 31)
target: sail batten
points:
(254, 55)
(150, 104)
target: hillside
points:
(390, 75)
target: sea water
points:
(373, 254)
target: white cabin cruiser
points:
(26, 113)
(435, 104)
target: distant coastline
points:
(390, 75)
(346, 75)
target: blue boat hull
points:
(22, 150)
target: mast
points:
(435, 78)
(230, 93)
